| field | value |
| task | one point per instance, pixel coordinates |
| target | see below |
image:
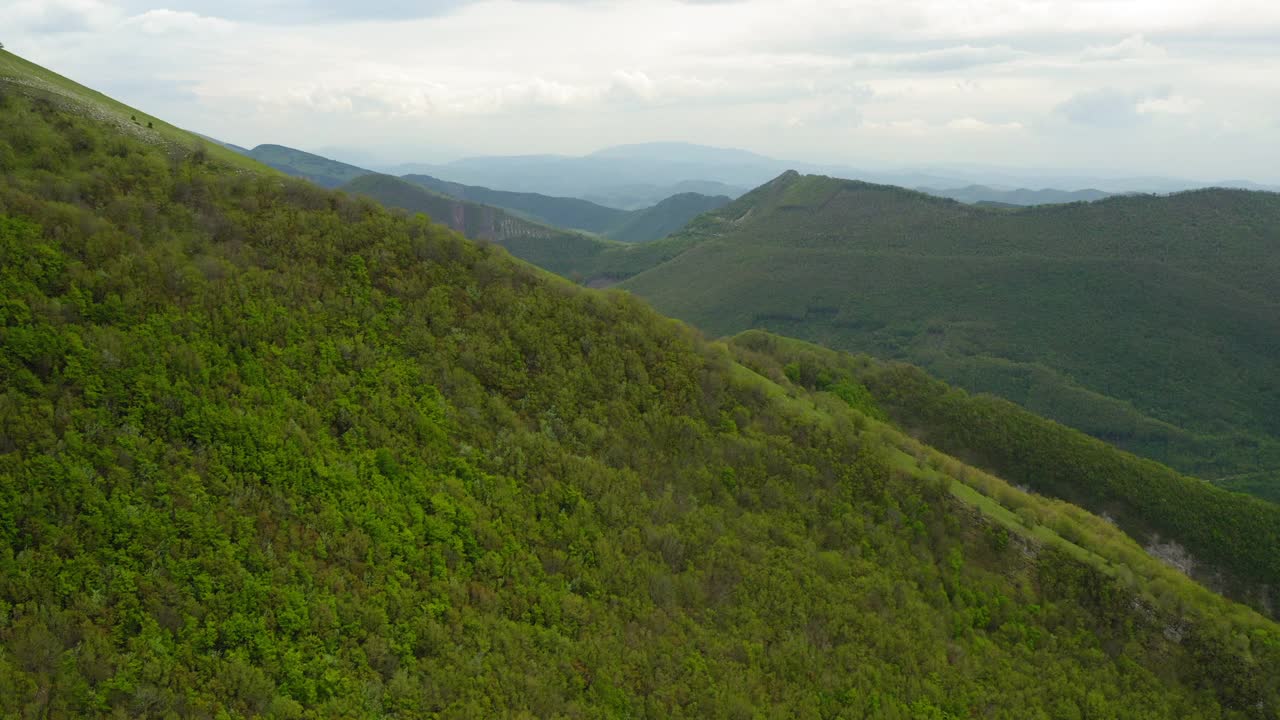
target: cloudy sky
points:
(1174, 87)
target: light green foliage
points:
(272, 451)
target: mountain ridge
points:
(641, 225)
(825, 227)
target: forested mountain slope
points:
(270, 450)
(1225, 539)
(1150, 322)
(666, 217)
(555, 249)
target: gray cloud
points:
(1106, 107)
(301, 11)
(856, 81)
(954, 58)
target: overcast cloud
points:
(1176, 87)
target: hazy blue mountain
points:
(628, 177)
(981, 194)
(227, 145)
(638, 197)
(639, 175)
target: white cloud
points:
(1168, 105)
(974, 124)
(827, 79)
(1134, 47)
(160, 22)
(37, 17)
(952, 58)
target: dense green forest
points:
(651, 223)
(268, 450)
(1231, 537)
(668, 216)
(1150, 322)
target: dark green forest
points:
(1152, 323)
(268, 450)
(1232, 536)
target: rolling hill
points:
(1150, 322)
(641, 225)
(268, 450)
(319, 170)
(665, 218)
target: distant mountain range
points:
(651, 223)
(981, 194)
(632, 176)
(666, 216)
(623, 178)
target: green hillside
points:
(319, 170)
(1150, 322)
(650, 223)
(268, 450)
(1229, 538)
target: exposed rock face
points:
(1171, 553)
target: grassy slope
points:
(1151, 322)
(319, 170)
(41, 82)
(509, 496)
